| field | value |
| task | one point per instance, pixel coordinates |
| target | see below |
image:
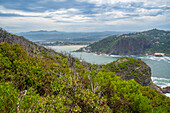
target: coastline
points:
(101, 53)
(92, 57)
(164, 90)
(68, 46)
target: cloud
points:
(45, 1)
(111, 2)
(85, 15)
(42, 14)
(61, 15)
(151, 12)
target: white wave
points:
(116, 56)
(150, 57)
(162, 82)
(167, 94)
(132, 55)
(154, 78)
(107, 55)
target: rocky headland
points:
(140, 43)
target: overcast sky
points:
(84, 15)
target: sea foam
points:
(162, 82)
(150, 57)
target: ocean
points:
(160, 66)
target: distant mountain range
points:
(66, 36)
(138, 43)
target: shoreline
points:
(100, 53)
(68, 46)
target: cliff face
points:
(130, 46)
(122, 45)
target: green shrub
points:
(8, 98)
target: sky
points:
(84, 15)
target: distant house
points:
(159, 54)
(157, 42)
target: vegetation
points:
(42, 83)
(129, 68)
(151, 41)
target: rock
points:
(155, 87)
(130, 46)
(166, 89)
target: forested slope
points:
(138, 43)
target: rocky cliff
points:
(130, 46)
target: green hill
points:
(134, 43)
(41, 80)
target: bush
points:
(8, 98)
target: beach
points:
(66, 48)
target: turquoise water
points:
(160, 66)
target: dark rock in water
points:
(166, 89)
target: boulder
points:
(166, 89)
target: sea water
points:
(160, 66)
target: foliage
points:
(129, 68)
(42, 83)
(8, 98)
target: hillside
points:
(140, 43)
(46, 81)
(66, 36)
